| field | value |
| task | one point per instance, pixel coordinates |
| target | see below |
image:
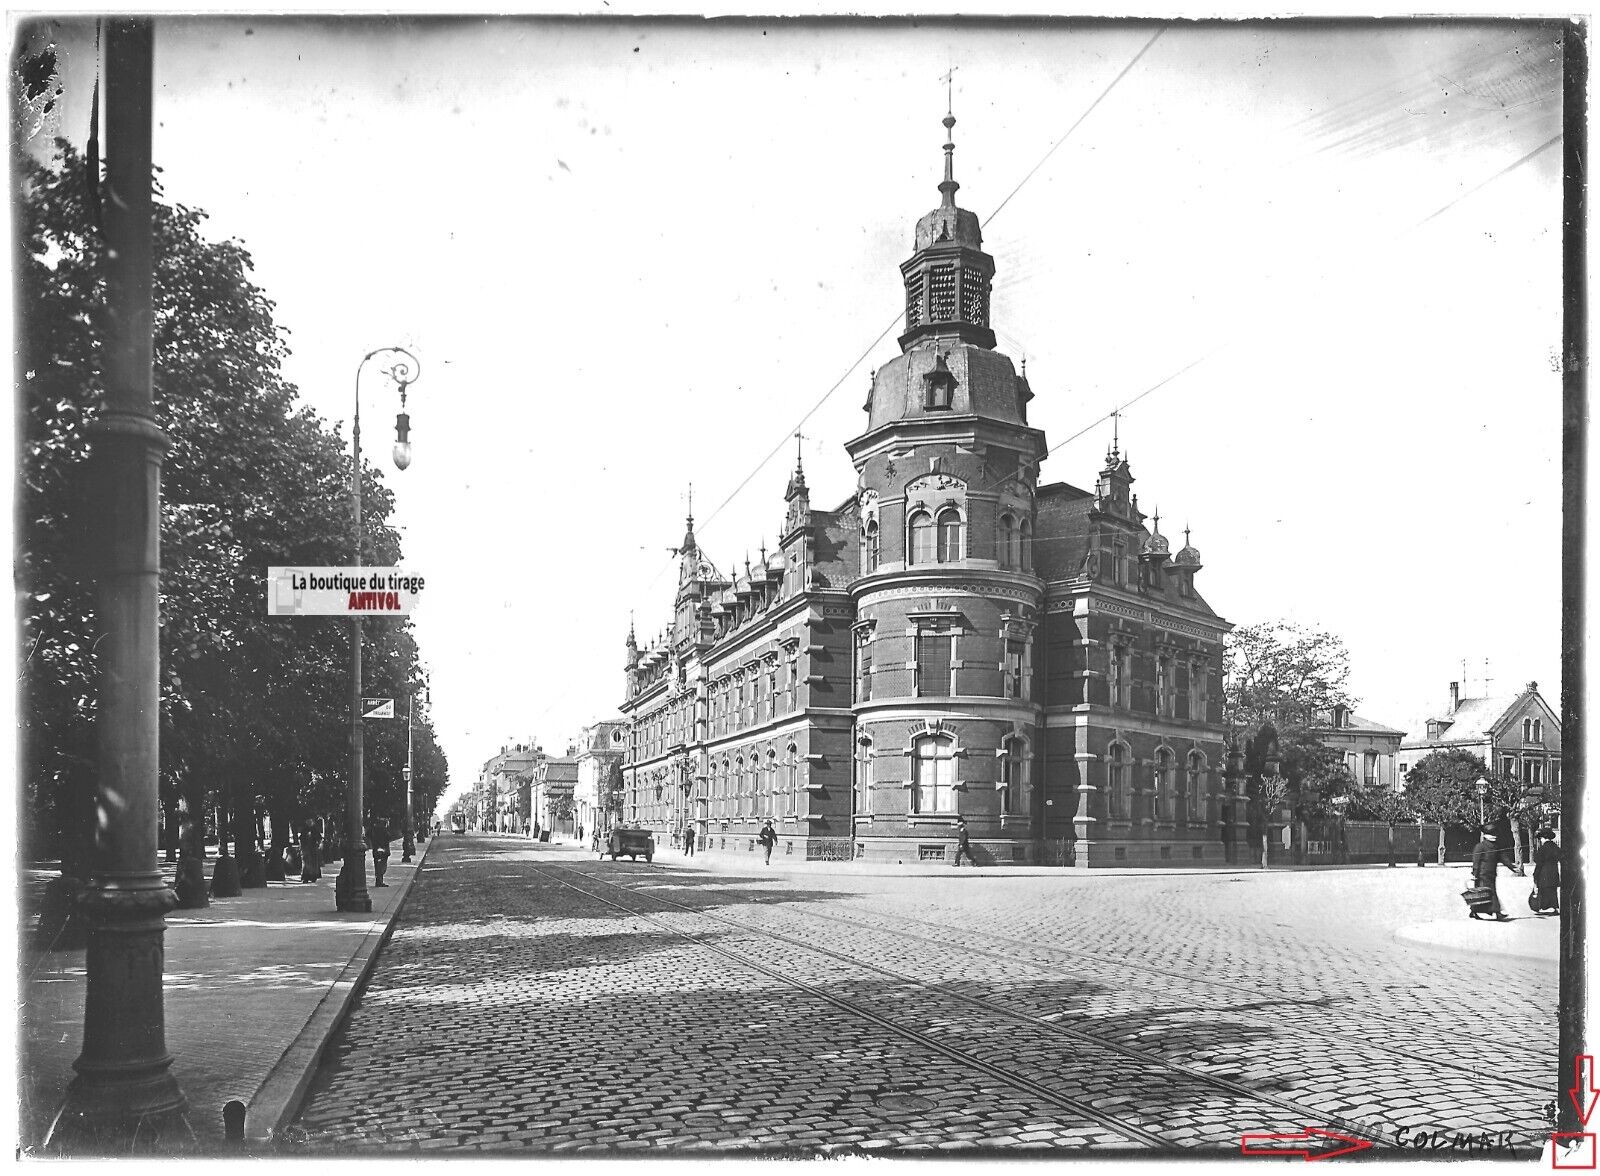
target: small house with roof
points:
(1370, 749)
(1517, 735)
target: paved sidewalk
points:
(255, 987)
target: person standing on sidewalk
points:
(688, 841)
(768, 837)
(1547, 874)
(1485, 865)
(310, 853)
(378, 838)
(963, 844)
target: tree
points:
(250, 705)
(1283, 674)
(1390, 807)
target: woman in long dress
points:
(1547, 874)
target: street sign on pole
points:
(377, 708)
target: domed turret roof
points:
(1189, 557)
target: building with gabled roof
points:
(1517, 735)
(1370, 749)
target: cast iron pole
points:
(124, 1093)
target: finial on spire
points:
(799, 442)
(949, 186)
(1116, 420)
(691, 502)
(1157, 517)
(1186, 534)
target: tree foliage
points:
(1442, 786)
(1283, 674)
(250, 705)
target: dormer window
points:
(938, 386)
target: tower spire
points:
(948, 186)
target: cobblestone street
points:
(533, 997)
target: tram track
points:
(1161, 1084)
(1278, 1024)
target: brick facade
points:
(954, 642)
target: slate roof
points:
(1357, 724)
(1470, 722)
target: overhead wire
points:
(1225, 344)
(837, 384)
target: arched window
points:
(1025, 561)
(869, 546)
(1013, 774)
(1538, 730)
(791, 772)
(1117, 797)
(949, 535)
(921, 548)
(1527, 730)
(864, 775)
(722, 791)
(772, 803)
(738, 787)
(1007, 544)
(1164, 785)
(933, 774)
(1197, 787)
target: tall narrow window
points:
(1196, 804)
(1163, 686)
(772, 689)
(738, 787)
(864, 670)
(1197, 691)
(864, 776)
(933, 664)
(1538, 730)
(949, 536)
(1527, 730)
(1013, 774)
(794, 680)
(1121, 674)
(921, 548)
(1164, 785)
(933, 774)
(775, 802)
(1119, 564)
(1369, 769)
(1117, 780)
(1025, 547)
(1016, 654)
(1007, 542)
(792, 777)
(869, 546)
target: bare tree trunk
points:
(1391, 845)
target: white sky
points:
(631, 256)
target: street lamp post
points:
(350, 889)
(124, 1092)
(408, 843)
(1483, 791)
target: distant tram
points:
(458, 823)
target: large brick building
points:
(955, 640)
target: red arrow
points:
(1583, 1094)
(1308, 1136)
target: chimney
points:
(1455, 696)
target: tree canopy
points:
(1286, 675)
(253, 479)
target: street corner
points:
(1525, 936)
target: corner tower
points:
(947, 601)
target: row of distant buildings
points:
(524, 789)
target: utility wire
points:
(891, 325)
(1223, 346)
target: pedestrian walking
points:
(963, 844)
(378, 838)
(1546, 874)
(674, 839)
(768, 837)
(688, 841)
(1485, 865)
(310, 853)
